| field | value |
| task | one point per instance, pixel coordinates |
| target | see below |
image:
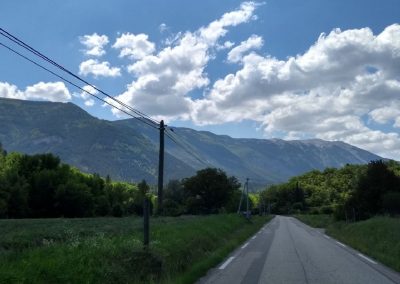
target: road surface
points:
(288, 251)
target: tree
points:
(18, 199)
(74, 200)
(136, 206)
(391, 203)
(372, 186)
(209, 191)
(174, 199)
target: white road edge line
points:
(339, 243)
(366, 258)
(253, 237)
(245, 245)
(328, 237)
(225, 264)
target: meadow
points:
(110, 250)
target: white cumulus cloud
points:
(328, 92)
(163, 80)
(341, 88)
(253, 42)
(97, 69)
(134, 46)
(51, 91)
(94, 44)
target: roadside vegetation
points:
(316, 221)
(377, 237)
(358, 205)
(351, 193)
(57, 245)
(109, 250)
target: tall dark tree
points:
(74, 200)
(209, 191)
(371, 187)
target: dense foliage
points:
(353, 192)
(209, 191)
(41, 186)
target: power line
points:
(188, 146)
(37, 53)
(185, 148)
(75, 85)
(24, 45)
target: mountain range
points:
(128, 149)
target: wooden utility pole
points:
(161, 169)
(247, 193)
(240, 202)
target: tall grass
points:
(378, 237)
(109, 250)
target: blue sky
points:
(246, 69)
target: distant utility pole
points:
(241, 199)
(247, 193)
(161, 169)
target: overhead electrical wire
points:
(75, 85)
(142, 117)
(24, 45)
(37, 53)
(185, 146)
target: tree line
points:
(40, 186)
(354, 192)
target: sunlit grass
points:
(109, 250)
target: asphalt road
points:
(288, 251)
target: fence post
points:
(146, 217)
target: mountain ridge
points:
(128, 149)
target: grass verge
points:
(109, 250)
(378, 237)
(316, 221)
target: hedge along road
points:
(288, 251)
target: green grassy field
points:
(109, 250)
(378, 237)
